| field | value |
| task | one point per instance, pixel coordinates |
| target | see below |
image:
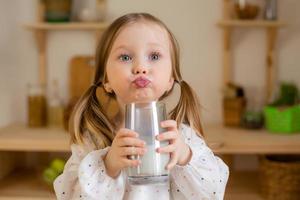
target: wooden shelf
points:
(271, 28)
(67, 26)
(25, 185)
(251, 23)
(40, 30)
(22, 138)
(243, 185)
(222, 140)
(225, 140)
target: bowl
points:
(249, 11)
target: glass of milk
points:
(145, 118)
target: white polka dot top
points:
(84, 176)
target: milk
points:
(152, 168)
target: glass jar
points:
(58, 10)
(271, 10)
(36, 102)
(55, 110)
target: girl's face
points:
(139, 66)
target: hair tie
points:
(96, 84)
(179, 81)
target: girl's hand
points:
(180, 152)
(125, 144)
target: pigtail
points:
(188, 108)
(91, 117)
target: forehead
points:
(142, 33)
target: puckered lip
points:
(141, 82)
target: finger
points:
(124, 132)
(170, 124)
(130, 141)
(130, 151)
(167, 149)
(130, 163)
(169, 135)
(172, 162)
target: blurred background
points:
(240, 56)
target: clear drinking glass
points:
(145, 118)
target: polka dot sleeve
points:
(85, 177)
(94, 180)
(204, 177)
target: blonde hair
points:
(91, 116)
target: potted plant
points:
(283, 115)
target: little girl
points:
(138, 61)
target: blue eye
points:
(154, 56)
(125, 58)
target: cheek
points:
(163, 82)
(118, 82)
(115, 73)
(164, 72)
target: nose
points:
(140, 70)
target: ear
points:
(170, 84)
(107, 88)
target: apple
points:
(49, 175)
(58, 165)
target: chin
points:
(143, 99)
(142, 96)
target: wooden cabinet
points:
(41, 28)
(228, 25)
(239, 141)
(27, 184)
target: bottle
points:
(55, 107)
(36, 105)
(271, 10)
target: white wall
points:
(193, 22)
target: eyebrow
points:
(150, 44)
